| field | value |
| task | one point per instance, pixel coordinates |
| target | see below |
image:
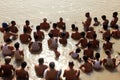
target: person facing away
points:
(96, 22)
(7, 69)
(39, 33)
(19, 55)
(105, 21)
(27, 27)
(44, 25)
(65, 32)
(114, 21)
(63, 39)
(40, 68)
(87, 65)
(76, 35)
(21, 73)
(25, 38)
(13, 28)
(71, 73)
(61, 24)
(51, 73)
(88, 21)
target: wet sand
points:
(72, 12)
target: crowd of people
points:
(85, 40)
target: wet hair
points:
(4, 25)
(103, 17)
(50, 35)
(54, 25)
(52, 65)
(73, 26)
(71, 64)
(41, 60)
(16, 45)
(38, 28)
(27, 21)
(85, 58)
(87, 14)
(95, 19)
(12, 22)
(97, 55)
(63, 34)
(78, 50)
(115, 14)
(107, 52)
(107, 38)
(23, 64)
(76, 29)
(82, 34)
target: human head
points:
(4, 25)
(97, 55)
(71, 64)
(61, 19)
(45, 19)
(87, 14)
(7, 59)
(50, 35)
(103, 17)
(78, 50)
(115, 14)
(27, 22)
(63, 34)
(76, 29)
(95, 19)
(73, 26)
(107, 38)
(38, 28)
(54, 25)
(23, 64)
(82, 34)
(41, 60)
(52, 65)
(13, 23)
(85, 58)
(89, 45)
(16, 45)
(107, 52)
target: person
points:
(88, 21)
(9, 35)
(114, 21)
(55, 31)
(87, 65)
(116, 32)
(90, 33)
(27, 27)
(44, 25)
(89, 51)
(61, 24)
(4, 26)
(21, 73)
(19, 55)
(109, 62)
(96, 22)
(7, 49)
(97, 64)
(7, 69)
(94, 42)
(13, 28)
(39, 33)
(76, 35)
(25, 38)
(83, 41)
(75, 54)
(65, 32)
(71, 73)
(108, 45)
(35, 46)
(52, 42)
(40, 68)
(73, 27)
(51, 73)
(63, 39)
(105, 21)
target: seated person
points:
(90, 33)
(9, 35)
(71, 73)
(7, 69)
(51, 73)
(13, 27)
(39, 33)
(87, 23)
(75, 54)
(114, 21)
(25, 38)
(19, 55)
(44, 25)
(73, 27)
(36, 45)
(116, 32)
(55, 31)
(4, 26)
(40, 68)
(7, 50)
(21, 73)
(27, 27)
(87, 65)
(65, 32)
(108, 45)
(76, 35)
(63, 39)
(96, 22)
(83, 41)
(61, 24)
(52, 42)
(109, 62)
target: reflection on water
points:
(73, 12)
